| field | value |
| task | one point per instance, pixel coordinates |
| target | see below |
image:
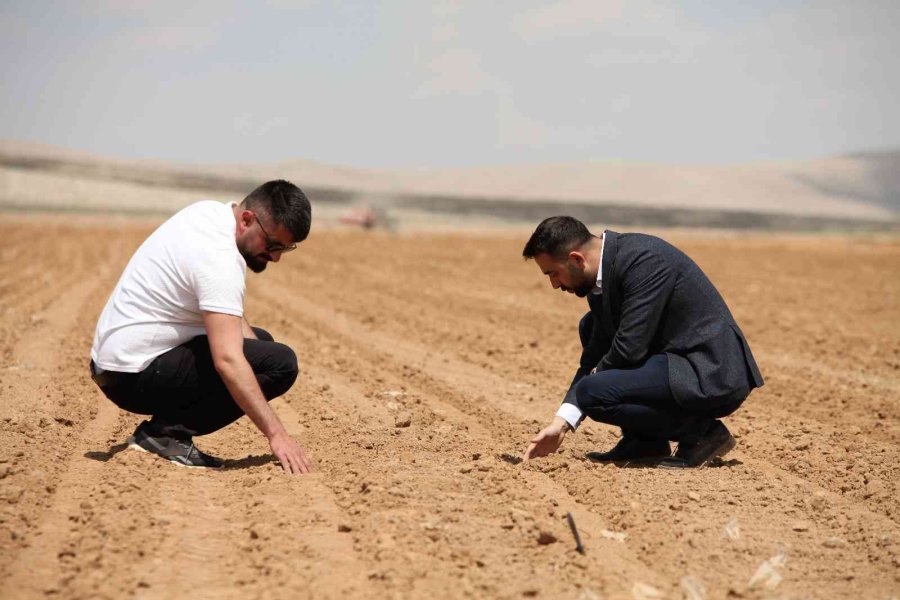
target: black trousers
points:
(186, 396)
(639, 400)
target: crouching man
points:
(173, 343)
(663, 359)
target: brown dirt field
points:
(460, 336)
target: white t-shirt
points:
(189, 264)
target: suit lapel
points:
(610, 249)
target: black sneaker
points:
(717, 441)
(632, 449)
(181, 452)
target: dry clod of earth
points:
(545, 537)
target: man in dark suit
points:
(662, 356)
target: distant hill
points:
(861, 186)
(855, 191)
(882, 179)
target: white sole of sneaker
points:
(131, 444)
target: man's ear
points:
(577, 259)
(246, 219)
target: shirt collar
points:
(598, 288)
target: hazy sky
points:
(410, 83)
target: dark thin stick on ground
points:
(578, 545)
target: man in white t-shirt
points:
(173, 343)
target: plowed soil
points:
(428, 360)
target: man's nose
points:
(554, 283)
(276, 255)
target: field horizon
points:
(859, 192)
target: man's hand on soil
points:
(548, 440)
(292, 457)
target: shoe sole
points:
(134, 446)
(726, 447)
(634, 462)
(638, 463)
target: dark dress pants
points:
(184, 393)
(639, 399)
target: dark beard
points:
(584, 290)
(585, 287)
(255, 263)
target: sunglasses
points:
(273, 245)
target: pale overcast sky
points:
(409, 83)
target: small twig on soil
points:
(578, 546)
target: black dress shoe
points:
(633, 449)
(717, 441)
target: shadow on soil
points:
(240, 463)
(716, 463)
(250, 461)
(105, 456)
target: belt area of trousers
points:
(109, 379)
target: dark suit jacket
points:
(657, 300)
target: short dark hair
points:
(285, 203)
(557, 236)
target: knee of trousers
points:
(284, 365)
(262, 334)
(592, 392)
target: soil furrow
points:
(427, 362)
(47, 398)
(412, 355)
(443, 441)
